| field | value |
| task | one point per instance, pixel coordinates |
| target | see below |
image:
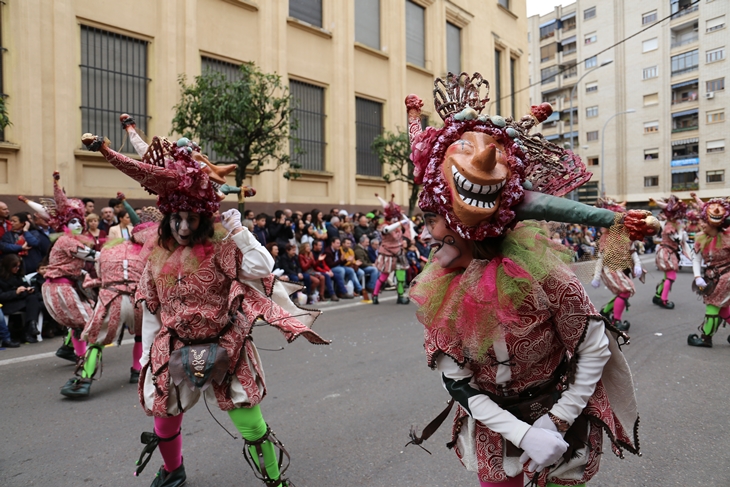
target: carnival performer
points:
(712, 245)
(674, 241)
(121, 263)
(508, 325)
(617, 281)
(202, 289)
(392, 256)
(62, 293)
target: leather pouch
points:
(199, 365)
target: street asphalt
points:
(344, 410)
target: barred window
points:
(308, 103)
(415, 34)
(368, 125)
(306, 10)
(367, 22)
(113, 81)
(232, 72)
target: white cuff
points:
(151, 325)
(257, 262)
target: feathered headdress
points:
(60, 209)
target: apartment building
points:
(74, 67)
(648, 114)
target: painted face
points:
(183, 224)
(451, 249)
(715, 214)
(74, 225)
(476, 170)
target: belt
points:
(60, 280)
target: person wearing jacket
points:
(25, 240)
(17, 295)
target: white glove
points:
(595, 283)
(700, 282)
(543, 447)
(231, 220)
(638, 271)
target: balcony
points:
(688, 69)
(686, 128)
(686, 186)
(685, 11)
(685, 40)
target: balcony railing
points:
(688, 40)
(691, 97)
(686, 70)
(685, 129)
(688, 186)
(685, 11)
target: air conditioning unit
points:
(710, 95)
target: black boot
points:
(621, 326)
(403, 300)
(31, 332)
(77, 387)
(133, 376)
(9, 343)
(66, 352)
(664, 304)
(375, 301)
(699, 341)
(176, 478)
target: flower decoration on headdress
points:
(475, 169)
(60, 209)
(693, 216)
(391, 210)
(673, 208)
(179, 174)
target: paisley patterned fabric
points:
(667, 258)
(116, 285)
(553, 320)
(716, 254)
(196, 293)
(62, 261)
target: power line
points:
(605, 50)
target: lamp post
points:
(603, 143)
(572, 92)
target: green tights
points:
(250, 423)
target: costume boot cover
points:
(708, 328)
(80, 386)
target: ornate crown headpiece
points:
(458, 92)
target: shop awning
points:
(693, 140)
(569, 40)
(554, 117)
(685, 169)
(694, 111)
(686, 83)
(568, 16)
(545, 24)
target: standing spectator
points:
(308, 264)
(42, 223)
(362, 228)
(280, 229)
(107, 219)
(367, 265)
(117, 205)
(322, 268)
(4, 222)
(93, 231)
(25, 240)
(259, 229)
(123, 229)
(248, 215)
(88, 205)
(16, 295)
(333, 259)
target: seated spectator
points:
(318, 224)
(292, 270)
(304, 233)
(373, 249)
(5, 340)
(280, 230)
(333, 229)
(308, 264)
(333, 259)
(16, 295)
(346, 233)
(367, 265)
(277, 270)
(123, 229)
(348, 255)
(25, 240)
(362, 228)
(322, 268)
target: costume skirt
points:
(114, 315)
(667, 259)
(617, 281)
(65, 305)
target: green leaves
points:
(4, 119)
(244, 120)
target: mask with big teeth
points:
(716, 211)
(476, 171)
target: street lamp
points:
(604, 63)
(603, 143)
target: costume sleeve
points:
(151, 325)
(697, 264)
(684, 243)
(130, 211)
(458, 382)
(599, 267)
(257, 262)
(389, 228)
(592, 355)
(85, 253)
(635, 258)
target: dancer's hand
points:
(700, 283)
(638, 271)
(542, 447)
(595, 283)
(231, 221)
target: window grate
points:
(308, 103)
(232, 72)
(113, 81)
(368, 125)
